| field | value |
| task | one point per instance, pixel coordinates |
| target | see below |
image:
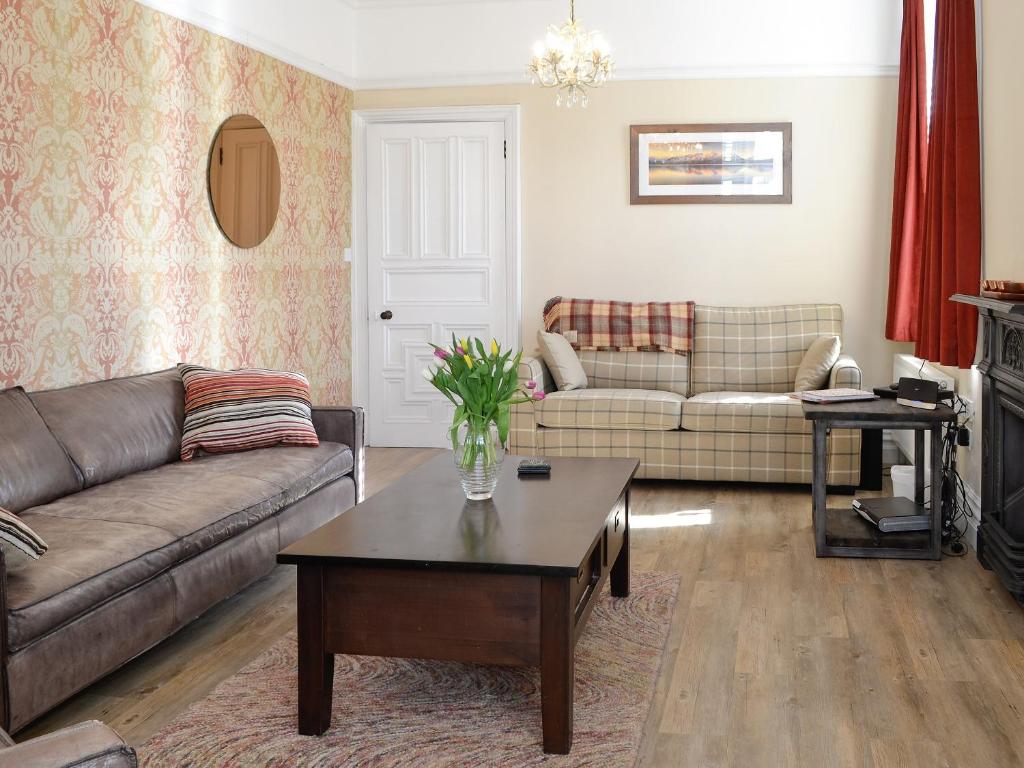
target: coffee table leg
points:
(620, 568)
(316, 666)
(557, 664)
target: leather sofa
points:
(140, 543)
(86, 745)
(720, 413)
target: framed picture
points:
(711, 163)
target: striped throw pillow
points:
(14, 533)
(228, 411)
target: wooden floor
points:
(775, 658)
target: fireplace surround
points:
(1001, 529)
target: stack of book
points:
(833, 395)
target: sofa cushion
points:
(816, 365)
(665, 371)
(610, 409)
(34, 469)
(245, 409)
(756, 349)
(762, 412)
(17, 538)
(116, 427)
(110, 538)
(562, 360)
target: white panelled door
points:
(436, 263)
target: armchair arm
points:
(845, 373)
(87, 745)
(344, 424)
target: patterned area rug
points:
(396, 712)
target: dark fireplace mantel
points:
(1001, 530)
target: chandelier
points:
(571, 60)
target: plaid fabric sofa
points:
(720, 413)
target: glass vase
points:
(478, 457)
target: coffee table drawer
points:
(588, 576)
(614, 531)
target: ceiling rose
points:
(572, 60)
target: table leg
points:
(557, 664)
(919, 465)
(819, 480)
(936, 434)
(620, 568)
(316, 666)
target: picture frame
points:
(711, 163)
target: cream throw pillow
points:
(562, 361)
(817, 364)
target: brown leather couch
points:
(87, 745)
(140, 544)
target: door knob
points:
(386, 314)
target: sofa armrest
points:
(344, 424)
(522, 437)
(845, 373)
(533, 368)
(87, 745)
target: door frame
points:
(510, 116)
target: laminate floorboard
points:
(774, 657)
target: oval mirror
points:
(244, 180)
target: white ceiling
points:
(417, 43)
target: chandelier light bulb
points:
(572, 60)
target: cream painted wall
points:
(1002, 102)
(582, 238)
(1002, 117)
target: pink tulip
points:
(531, 384)
(538, 395)
(443, 354)
(460, 351)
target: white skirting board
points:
(974, 502)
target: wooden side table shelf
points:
(842, 532)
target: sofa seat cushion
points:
(112, 537)
(758, 412)
(610, 409)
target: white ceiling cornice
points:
(635, 74)
(187, 11)
(389, 44)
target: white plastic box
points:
(903, 481)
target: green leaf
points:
(503, 422)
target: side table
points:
(844, 533)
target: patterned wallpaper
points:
(110, 260)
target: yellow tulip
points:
(465, 344)
(494, 346)
(469, 361)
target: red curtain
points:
(951, 256)
(909, 179)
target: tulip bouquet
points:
(483, 385)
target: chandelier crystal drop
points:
(572, 60)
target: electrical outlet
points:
(968, 421)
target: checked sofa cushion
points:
(756, 349)
(737, 412)
(665, 371)
(610, 409)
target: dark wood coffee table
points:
(416, 571)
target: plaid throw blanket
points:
(622, 326)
